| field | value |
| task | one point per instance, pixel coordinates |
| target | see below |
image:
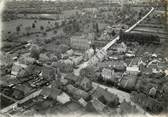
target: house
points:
(50, 92)
(24, 88)
(71, 78)
(106, 97)
(81, 94)
(153, 105)
(152, 91)
(77, 93)
(5, 59)
(119, 68)
(110, 76)
(88, 54)
(17, 94)
(80, 42)
(166, 72)
(104, 36)
(26, 59)
(102, 65)
(95, 105)
(43, 58)
(128, 82)
(73, 107)
(69, 52)
(53, 58)
(55, 93)
(56, 83)
(101, 54)
(133, 70)
(63, 98)
(17, 67)
(121, 48)
(45, 92)
(107, 73)
(66, 68)
(147, 71)
(127, 108)
(68, 62)
(77, 60)
(48, 72)
(63, 81)
(93, 60)
(12, 81)
(82, 102)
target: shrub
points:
(35, 52)
(88, 72)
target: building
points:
(88, 54)
(127, 108)
(17, 67)
(107, 74)
(128, 82)
(48, 72)
(134, 70)
(77, 93)
(82, 102)
(72, 78)
(51, 92)
(82, 42)
(63, 98)
(98, 105)
(106, 97)
(76, 60)
(79, 42)
(55, 94)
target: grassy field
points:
(11, 25)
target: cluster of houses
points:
(145, 74)
(80, 89)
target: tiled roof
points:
(102, 92)
(51, 92)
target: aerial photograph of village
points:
(84, 57)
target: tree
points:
(63, 23)
(76, 26)
(35, 21)
(33, 25)
(88, 72)
(41, 28)
(18, 29)
(113, 33)
(35, 52)
(56, 25)
(63, 48)
(55, 31)
(44, 34)
(65, 68)
(96, 27)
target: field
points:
(11, 25)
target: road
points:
(102, 52)
(9, 108)
(122, 95)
